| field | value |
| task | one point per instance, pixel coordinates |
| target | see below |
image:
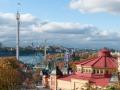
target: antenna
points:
(17, 32)
(45, 49)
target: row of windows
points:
(85, 70)
(98, 71)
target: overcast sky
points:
(72, 23)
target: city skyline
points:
(72, 23)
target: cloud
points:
(8, 25)
(9, 19)
(69, 34)
(65, 28)
(110, 6)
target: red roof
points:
(96, 81)
(101, 81)
(104, 60)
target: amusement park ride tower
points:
(17, 33)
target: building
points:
(94, 73)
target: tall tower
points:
(45, 54)
(66, 58)
(17, 33)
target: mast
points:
(66, 58)
(45, 49)
(17, 33)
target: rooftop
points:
(104, 60)
(97, 81)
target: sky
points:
(71, 23)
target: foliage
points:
(83, 56)
(110, 88)
(36, 76)
(10, 77)
(115, 86)
(77, 58)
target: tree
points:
(110, 88)
(10, 77)
(36, 76)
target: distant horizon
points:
(79, 47)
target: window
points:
(93, 71)
(101, 71)
(83, 70)
(89, 70)
(106, 71)
(97, 71)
